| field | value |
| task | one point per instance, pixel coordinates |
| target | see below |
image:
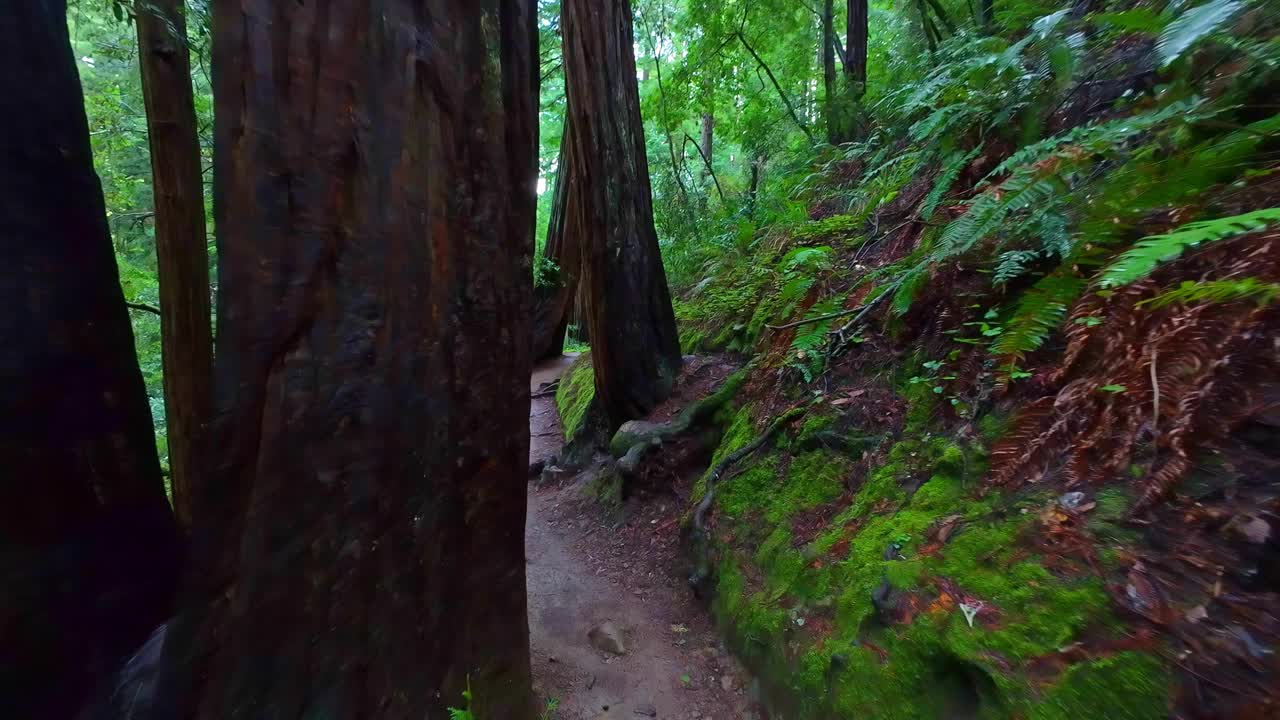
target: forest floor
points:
(590, 572)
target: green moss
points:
(1129, 686)
(573, 398)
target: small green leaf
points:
(1113, 388)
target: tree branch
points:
(144, 307)
(706, 161)
(785, 100)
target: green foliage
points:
(1039, 311)
(1141, 260)
(465, 712)
(1193, 25)
(1217, 291)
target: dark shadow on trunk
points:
(89, 550)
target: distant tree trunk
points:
(987, 14)
(855, 66)
(553, 304)
(831, 102)
(708, 139)
(359, 549)
(635, 350)
(89, 549)
(181, 253)
(753, 185)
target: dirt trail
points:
(584, 571)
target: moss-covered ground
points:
(868, 619)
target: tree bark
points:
(856, 47)
(831, 103)
(359, 550)
(183, 260)
(635, 349)
(554, 303)
(89, 550)
(708, 140)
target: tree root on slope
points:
(701, 542)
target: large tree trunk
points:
(553, 303)
(359, 549)
(634, 347)
(88, 546)
(181, 253)
(832, 102)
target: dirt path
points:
(584, 572)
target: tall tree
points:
(635, 350)
(832, 104)
(181, 254)
(88, 546)
(554, 297)
(855, 65)
(359, 549)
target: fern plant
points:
(1193, 26)
(1217, 291)
(1039, 311)
(1141, 260)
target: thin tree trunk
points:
(635, 349)
(831, 102)
(753, 185)
(708, 170)
(986, 14)
(942, 16)
(676, 166)
(181, 254)
(553, 304)
(359, 549)
(89, 549)
(708, 140)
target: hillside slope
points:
(1033, 472)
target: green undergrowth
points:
(573, 397)
(801, 560)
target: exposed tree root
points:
(700, 541)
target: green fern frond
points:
(1039, 311)
(1013, 264)
(1217, 291)
(1192, 26)
(908, 288)
(1099, 136)
(1139, 261)
(951, 169)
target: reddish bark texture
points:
(553, 304)
(359, 549)
(88, 545)
(634, 347)
(181, 254)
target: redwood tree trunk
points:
(359, 549)
(831, 98)
(181, 252)
(855, 65)
(553, 304)
(88, 546)
(634, 347)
